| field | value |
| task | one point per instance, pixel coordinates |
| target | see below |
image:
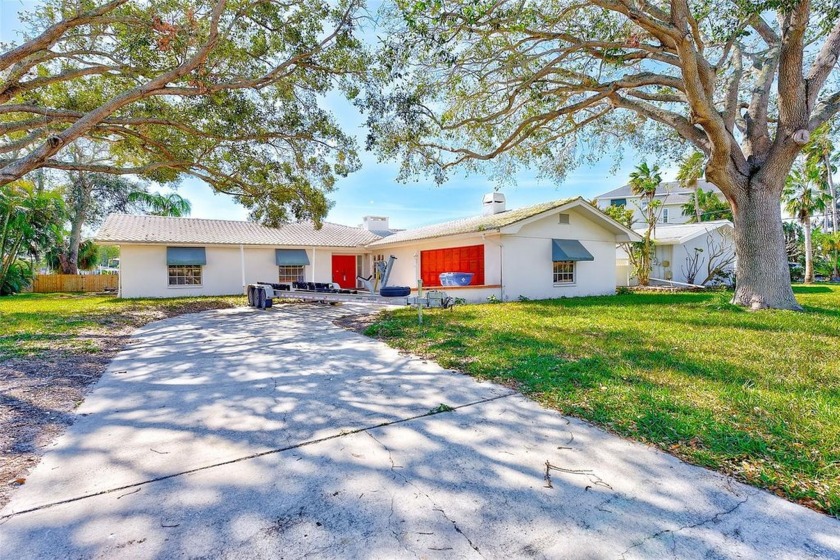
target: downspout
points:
(242, 265)
(501, 266)
(119, 277)
(313, 264)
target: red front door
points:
(344, 271)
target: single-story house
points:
(555, 249)
(687, 253)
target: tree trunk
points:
(762, 273)
(80, 197)
(72, 266)
(809, 252)
(833, 193)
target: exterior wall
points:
(675, 215)
(406, 269)
(663, 265)
(144, 272)
(528, 265)
(681, 252)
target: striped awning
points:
(291, 257)
(569, 250)
(186, 256)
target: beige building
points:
(563, 248)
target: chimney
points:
(493, 203)
(375, 223)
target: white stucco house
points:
(672, 195)
(562, 248)
(687, 253)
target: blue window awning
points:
(291, 257)
(569, 250)
(186, 256)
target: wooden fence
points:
(75, 283)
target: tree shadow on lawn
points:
(476, 480)
(661, 395)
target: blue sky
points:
(373, 190)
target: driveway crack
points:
(431, 500)
(342, 433)
(713, 519)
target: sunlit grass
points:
(34, 323)
(756, 395)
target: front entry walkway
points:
(241, 433)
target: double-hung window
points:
(565, 254)
(290, 273)
(564, 272)
(184, 265)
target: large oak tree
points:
(225, 90)
(547, 83)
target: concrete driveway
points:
(241, 433)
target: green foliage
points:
(620, 214)
(88, 256)
(644, 182)
(18, 277)
(30, 222)
(159, 204)
(689, 373)
(804, 193)
(230, 93)
(711, 206)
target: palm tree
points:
(158, 204)
(818, 153)
(643, 183)
(803, 197)
(692, 168)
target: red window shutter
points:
(456, 259)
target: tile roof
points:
(125, 228)
(667, 188)
(471, 225)
(673, 234)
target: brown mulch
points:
(38, 395)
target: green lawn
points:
(31, 324)
(755, 395)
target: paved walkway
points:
(241, 433)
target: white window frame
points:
(301, 276)
(559, 275)
(666, 214)
(186, 277)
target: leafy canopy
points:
(226, 91)
(549, 84)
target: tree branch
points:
(49, 36)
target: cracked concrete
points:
(245, 434)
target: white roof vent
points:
(493, 203)
(375, 223)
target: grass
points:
(34, 324)
(754, 395)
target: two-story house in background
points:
(673, 196)
(685, 253)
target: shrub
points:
(19, 277)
